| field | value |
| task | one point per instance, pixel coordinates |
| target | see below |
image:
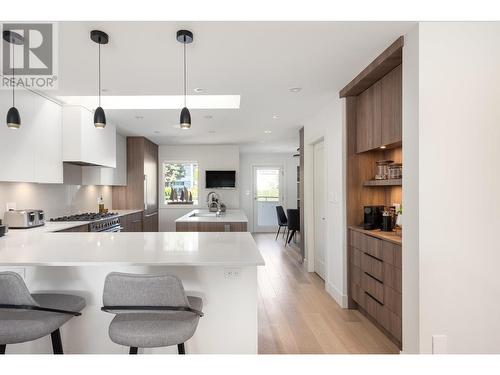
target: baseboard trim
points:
(340, 298)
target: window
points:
(180, 183)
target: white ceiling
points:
(260, 61)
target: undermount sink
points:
(204, 214)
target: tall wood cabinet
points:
(379, 113)
(141, 191)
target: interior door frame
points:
(325, 202)
(254, 190)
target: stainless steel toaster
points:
(21, 219)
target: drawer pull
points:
(373, 298)
(373, 256)
(373, 277)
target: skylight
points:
(155, 101)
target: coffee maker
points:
(373, 217)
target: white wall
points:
(411, 191)
(55, 199)
(209, 157)
(459, 182)
(328, 125)
(248, 161)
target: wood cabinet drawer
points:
(355, 274)
(391, 253)
(355, 257)
(372, 246)
(355, 239)
(358, 294)
(392, 277)
(395, 326)
(377, 311)
(372, 266)
(392, 300)
(373, 287)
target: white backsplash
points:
(54, 199)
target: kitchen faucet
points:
(212, 198)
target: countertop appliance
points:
(373, 217)
(22, 219)
(99, 222)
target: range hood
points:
(83, 144)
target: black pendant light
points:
(13, 117)
(100, 37)
(185, 37)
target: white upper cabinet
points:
(83, 143)
(33, 153)
(109, 176)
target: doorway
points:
(268, 193)
(320, 204)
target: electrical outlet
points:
(232, 273)
(439, 344)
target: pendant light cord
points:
(99, 73)
(13, 73)
(185, 71)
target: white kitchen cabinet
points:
(83, 143)
(33, 152)
(109, 176)
(48, 142)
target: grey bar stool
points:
(152, 311)
(26, 317)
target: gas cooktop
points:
(87, 216)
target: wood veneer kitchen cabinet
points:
(379, 113)
(211, 227)
(132, 222)
(392, 107)
(375, 280)
(141, 191)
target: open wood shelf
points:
(390, 182)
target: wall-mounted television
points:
(220, 179)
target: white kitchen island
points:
(221, 268)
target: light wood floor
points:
(297, 315)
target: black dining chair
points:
(293, 223)
(282, 220)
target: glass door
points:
(268, 193)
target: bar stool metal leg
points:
(133, 350)
(181, 349)
(56, 342)
(2, 349)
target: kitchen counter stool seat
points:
(26, 317)
(154, 330)
(152, 311)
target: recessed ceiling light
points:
(276, 117)
(211, 132)
(208, 117)
(383, 147)
(199, 90)
(104, 90)
(267, 131)
(157, 132)
(139, 117)
(156, 101)
(295, 89)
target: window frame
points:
(163, 203)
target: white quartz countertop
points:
(38, 248)
(230, 216)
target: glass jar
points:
(382, 169)
(395, 171)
